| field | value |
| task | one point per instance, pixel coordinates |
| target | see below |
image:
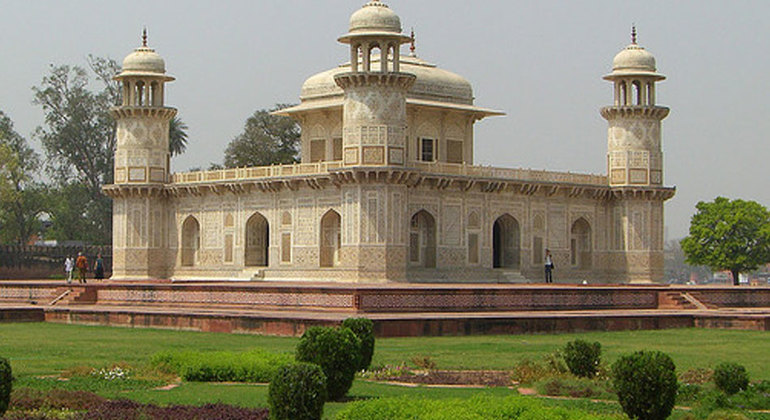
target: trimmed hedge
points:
(731, 378)
(583, 358)
(221, 366)
(297, 392)
(6, 384)
(363, 328)
(475, 408)
(646, 384)
(336, 351)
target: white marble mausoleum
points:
(387, 189)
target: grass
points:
(47, 349)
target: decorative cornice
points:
(640, 111)
(398, 80)
(164, 112)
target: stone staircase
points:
(512, 276)
(74, 295)
(680, 300)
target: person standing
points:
(69, 265)
(82, 264)
(99, 268)
(548, 266)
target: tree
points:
(267, 139)
(729, 235)
(177, 136)
(21, 200)
(79, 137)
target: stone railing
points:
(242, 174)
(510, 173)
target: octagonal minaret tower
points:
(140, 216)
(635, 168)
(374, 115)
(634, 155)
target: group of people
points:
(82, 265)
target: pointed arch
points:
(422, 240)
(191, 241)
(257, 241)
(330, 239)
(506, 242)
(580, 244)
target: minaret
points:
(374, 135)
(634, 154)
(635, 168)
(140, 217)
(374, 116)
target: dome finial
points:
(633, 33)
(412, 48)
(144, 37)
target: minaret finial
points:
(144, 37)
(412, 48)
(633, 34)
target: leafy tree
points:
(177, 136)
(729, 235)
(266, 139)
(79, 135)
(20, 195)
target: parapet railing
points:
(440, 168)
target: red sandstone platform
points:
(396, 309)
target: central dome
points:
(432, 83)
(375, 16)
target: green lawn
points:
(42, 349)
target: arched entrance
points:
(580, 244)
(506, 242)
(330, 239)
(257, 241)
(191, 241)
(422, 240)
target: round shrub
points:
(6, 382)
(363, 328)
(297, 392)
(336, 351)
(583, 358)
(646, 384)
(731, 378)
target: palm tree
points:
(177, 136)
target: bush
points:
(478, 407)
(125, 409)
(696, 376)
(363, 328)
(297, 392)
(59, 399)
(6, 383)
(336, 351)
(646, 384)
(731, 378)
(527, 371)
(252, 366)
(583, 358)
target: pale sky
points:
(541, 62)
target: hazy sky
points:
(539, 61)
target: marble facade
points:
(386, 189)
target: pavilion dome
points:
(375, 17)
(634, 58)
